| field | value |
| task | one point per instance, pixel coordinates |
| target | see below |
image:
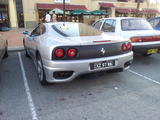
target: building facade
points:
(28, 13)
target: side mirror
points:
(26, 33)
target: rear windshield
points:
(155, 22)
(135, 24)
(75, 30)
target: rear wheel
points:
(145, 54)
(40, 70)
(115, 70)
(25, 49)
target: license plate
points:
(102, 64)
(152, 51)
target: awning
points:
(98, 12)
(107, 5)
(56, 10)
(151, 11)
(123, 10)
(80, 12)
(134, 10)
(60, 6)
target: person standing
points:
(54, 17)
(48, 17)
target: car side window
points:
(43, 29)
(98, 24)
(36, 31)
(154, 22)
(109, 25)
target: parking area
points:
(130, 95)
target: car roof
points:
(154, 17)
(120, 18)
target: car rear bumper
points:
(79, 67)
(143, 47)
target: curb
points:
(14, 49)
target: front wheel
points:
(6, 51)
(40, 70)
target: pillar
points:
(113, 11)
(12, 14)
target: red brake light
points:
(136, 39)
(145, 39)
(129, 46)
(59, 52)
(126, 46)
(72, 52)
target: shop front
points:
(150, 13)
(44, 8)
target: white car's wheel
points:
(40, 71)
(147, 54)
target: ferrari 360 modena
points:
(62, 51)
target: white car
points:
(145, 40)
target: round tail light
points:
(129, 46)
(126, 46)
(59, 52)
(72, 52)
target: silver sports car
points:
(62, 51)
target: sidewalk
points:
(15, 39)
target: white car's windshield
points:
(135, 24)
(75, 29)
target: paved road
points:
(130, 95)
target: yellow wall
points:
(31, 12)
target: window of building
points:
(140, 1)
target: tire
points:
(146, 55)
(26, 53)
(40, 71)
(25, 49)
(115, 70)
(6, 51)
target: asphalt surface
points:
(130, 95)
